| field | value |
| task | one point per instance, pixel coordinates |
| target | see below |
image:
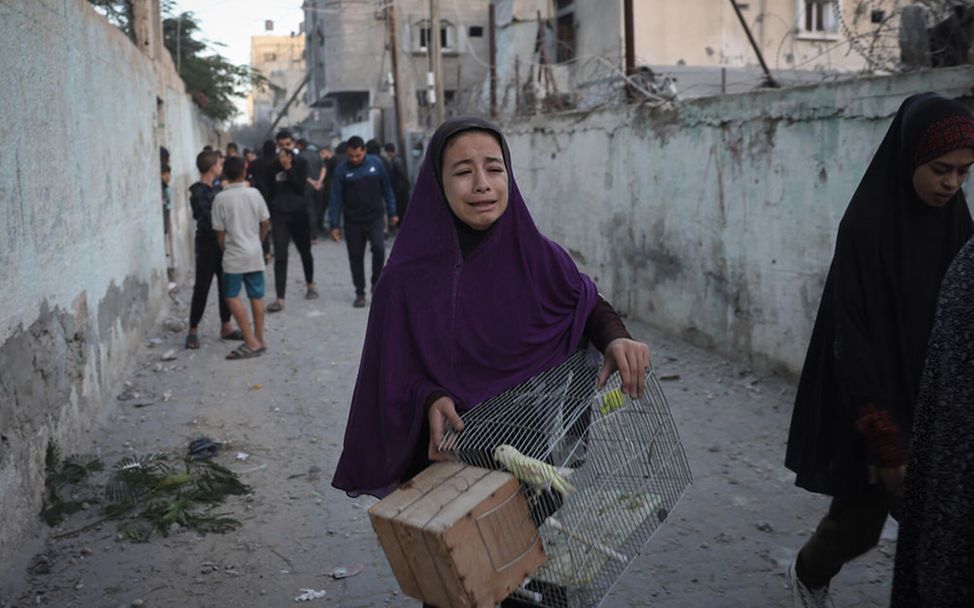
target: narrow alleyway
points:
(727, 544)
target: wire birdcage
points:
(623, 456)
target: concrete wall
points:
(82, 261)
(714, 221)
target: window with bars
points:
(565, 30)
(421, 36)
(818, 16)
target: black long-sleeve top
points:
(288, 187)
(201, 197)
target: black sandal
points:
(233, 335)
(243, 352)
(192, 341)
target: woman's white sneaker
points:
(805, 596)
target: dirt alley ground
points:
(727, 543)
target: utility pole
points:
(433, 44)
(630, 44)
(492, 25)
(769, 80)
(397, 100)
(179, 41)
(287, 106)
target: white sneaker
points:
(805, 596)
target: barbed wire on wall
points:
(874, 30)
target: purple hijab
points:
(516, 306)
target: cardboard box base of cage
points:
(458, 536)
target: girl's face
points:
(475, 179)
(939, 180)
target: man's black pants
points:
(319, 205)
(356, 235)
(286, 226)
(209, 260)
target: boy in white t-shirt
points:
(241, 221)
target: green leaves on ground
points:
(162, 491)
(149, 493)
(60, 472)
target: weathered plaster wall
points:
(82, 262)
(183, 131)
(715, 221)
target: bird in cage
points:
(537, 474)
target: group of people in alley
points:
(283, 193)
(474, 300)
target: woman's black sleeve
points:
(604, 325)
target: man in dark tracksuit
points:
(288, 177)
(360, 184)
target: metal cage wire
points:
(623, 456)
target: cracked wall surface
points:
(715, 220)
(82, 256)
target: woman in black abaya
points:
(853, 414)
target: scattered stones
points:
(208, 567)
(310, 594)
(723, 538)
(40, 564)
(764, 526)
(347, 571)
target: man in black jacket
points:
(208, 254)
(287, 178)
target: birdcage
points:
(623, 457)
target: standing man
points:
(209, 257)
(399, 178)
(288, 177)
(315, 179)
(240, 220)
(329, 162)
(359, 187)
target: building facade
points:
(349, 53)
(829, 35)
(281, 60)
(555, 54)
